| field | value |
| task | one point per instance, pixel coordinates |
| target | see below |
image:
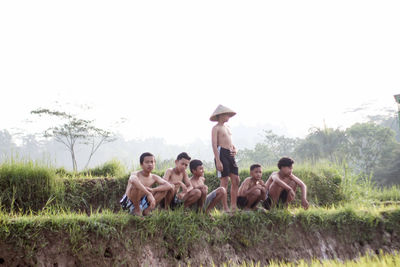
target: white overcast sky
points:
(166, 65)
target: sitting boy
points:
(281, 186)
(139, 196)
(178, 177)
(252, 190)
(207, 202)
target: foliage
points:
(25, 185)
(368, 143)
(73, 131)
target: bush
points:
(26, 185)
(112, 168)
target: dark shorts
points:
(175, 203)
(228, 162)
(267, 204)
(127, 204)
(241, 202)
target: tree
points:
(326, 143)
(73, 131)
(369, 143)
(6, 143)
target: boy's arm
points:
(275, 178)
(163, 184)
(167, 174)
(186, 181)
(214, 142)
(243, 188)
(268, 182)
(134, 180)
(303, 188)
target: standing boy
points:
(225, 151)
(139, 196)
(252, 189)
(178, 177)
(197, 182)
(281, 186)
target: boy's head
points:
(196, 167)
(182, 161)
(147, 161)
(285, 165)
(256, 171)
(222, 113)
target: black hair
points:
(183, 155)
(254, 166)
(194, 164)
(285, 162)
(145, 154)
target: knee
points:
(235, 180)
(221, 191)
(257, 192)
(197, 193)
(204, 190)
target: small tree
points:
(73, 131)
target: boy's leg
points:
(224, 182)
(135, 196)
(234, 190)
(220, 195)
(253, 197)
(202, 199)
(169, 197)
(191, 197)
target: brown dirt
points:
(288, 244)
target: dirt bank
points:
(128, 245)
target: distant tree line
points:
(371, 149)
(368, 148)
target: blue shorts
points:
(127, 204)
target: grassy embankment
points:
(37, 200)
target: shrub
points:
(26, 185)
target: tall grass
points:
(26, 185)
(369, 260)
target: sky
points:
(164, 66)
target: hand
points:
(152, 201)
(219, 166)
(305, 203)
(233, 152)
(149, 189)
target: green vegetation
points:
(41, 205)
(28, 186)
(381, 260)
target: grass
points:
(37, 200)
(180, 229)
(369, 260)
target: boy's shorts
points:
(228, 163)
(127, 204)
(241, 202)
(210, 198)
(175, 203)
(267, 204)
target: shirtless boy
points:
(139, 196)
(225, 151)
(281, 186)
(252, 189)
(178, 177)
(197, 182)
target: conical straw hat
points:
(222, 110)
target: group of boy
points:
(176, 188)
